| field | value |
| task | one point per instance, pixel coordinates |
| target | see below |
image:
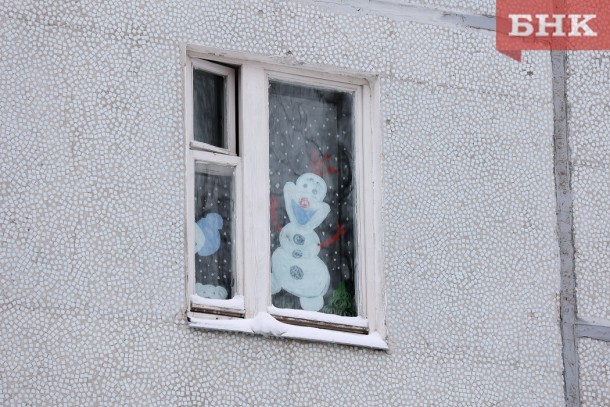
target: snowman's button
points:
(296, 272)
(297, 254)
(298, 239)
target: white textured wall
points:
(484, 7)
(589, 131)
(594, 372)
(91, 213)
(589, 127)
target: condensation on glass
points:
(209, 108)
(214, 230)
(313, 230)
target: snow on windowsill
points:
(318, 316)
(236, 303)
(265, 324)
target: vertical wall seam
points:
(565, 230)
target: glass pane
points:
(311, 134)
(209, 108)
(214, 231)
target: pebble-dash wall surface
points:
(589, 126)
(92, 212)
(481, 7)
(589, 132)
(594, 372)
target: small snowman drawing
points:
(295, 265)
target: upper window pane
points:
(313, 248)
(209, 108)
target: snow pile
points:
(318, 316)
(236, 302)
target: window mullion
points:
(255, 147)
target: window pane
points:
(214, 231)
(312, 198)
(209, 108)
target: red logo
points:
(551, 25)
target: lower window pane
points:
(312, 198)
(214, 231)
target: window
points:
(283, 201)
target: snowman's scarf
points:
(303, 215)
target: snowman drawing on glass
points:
(207, 234)
(207, 242)
(295, 265)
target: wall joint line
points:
(565, 230)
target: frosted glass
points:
(214, 231)
(311, 132)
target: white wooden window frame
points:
(223, 157)
(253, 253)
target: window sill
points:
(264, 324)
